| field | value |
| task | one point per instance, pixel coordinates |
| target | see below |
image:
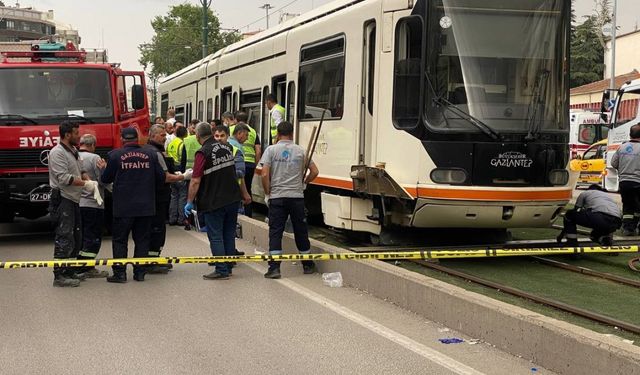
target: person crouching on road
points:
(214, 187)
(594, 209)
(157, 138)
(627, 161)
(136, 174)
(67, 180)
(91, 209)
(283, 167)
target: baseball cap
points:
(129, 134)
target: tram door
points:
(367, 92)
(278, 88)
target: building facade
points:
(18, 24)
(627, 54)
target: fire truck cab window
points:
(43, 94)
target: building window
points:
(322, 79)
(10, 24)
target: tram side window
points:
(408, 73)
(180, 114)
(164, 104)
(200, 110)
(322, 80)
(250, 104)
(209, 110)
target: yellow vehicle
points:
(590, 164)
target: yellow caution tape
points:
(396, 255)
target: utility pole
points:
(205, 26)
(613, 44)
(267, 7)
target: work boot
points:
(571, 242)
(606, 240)
(138, 276)
(273, 273)
(76, 275)
(215, 276)
(308, 267)
(628, 232)
(118, 278)
(61, 281)
(95, 273)
(158, 269)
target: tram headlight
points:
(449, 176)
(558, 177)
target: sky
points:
(121, 25)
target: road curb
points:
(556, 345)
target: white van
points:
(625, 115)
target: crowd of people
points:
(198, 175)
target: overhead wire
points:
(264, 17)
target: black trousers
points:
(140, 228)
(630, 194)
(601, 224)
(92, 224)
(68, 236)
(279, 210)
(249, 169)
(158, 229)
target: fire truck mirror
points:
(137, 97)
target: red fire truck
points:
(41, 88)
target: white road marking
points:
(375, 327)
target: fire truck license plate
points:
(40, 194)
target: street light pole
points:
(267, 7)
(205, 26)
(613, 44)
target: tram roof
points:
(265, 34)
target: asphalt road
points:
(181, 324)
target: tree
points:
(602, 17)
(178, 39)
(587, 53)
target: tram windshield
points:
(496, 63)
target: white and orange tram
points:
(438, 113)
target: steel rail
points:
(588, 271)
(532, 297)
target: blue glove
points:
(187, 208)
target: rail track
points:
(577, 311)
(603, 319)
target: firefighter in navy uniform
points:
(627, 161)
(135, 173)
(157, 139)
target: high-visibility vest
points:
(174, 149)
(274, 126)
(249, 146)
(235, 152)
(191, 145)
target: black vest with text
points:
(219, 185)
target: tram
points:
(437, 113)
